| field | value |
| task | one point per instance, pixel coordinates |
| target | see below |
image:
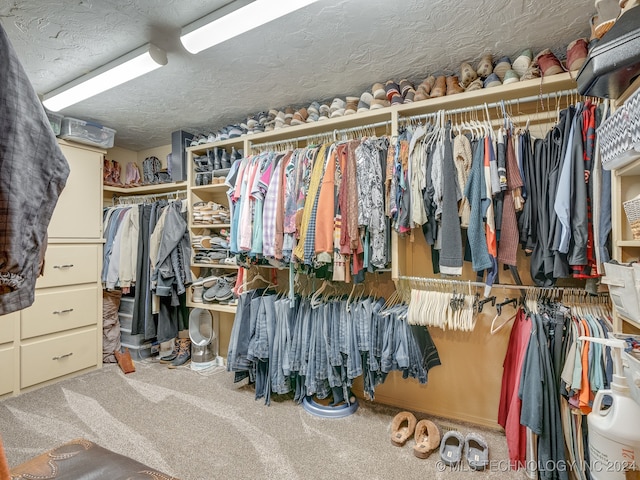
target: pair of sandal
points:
(425, 433)
(474, 448)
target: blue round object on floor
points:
(326, 411)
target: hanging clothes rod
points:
(151, 196)
(483, 106)
(326, 134)
(469, 283)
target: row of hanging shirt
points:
(320, 344)
(321, 207)
(548, 383)
(505, 189)
(147, 246)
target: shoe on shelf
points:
(577, 53)
(467, 74)
(522, 62)
(510, 77)
(501, 67)
(453, 85)
(485, 66)
(196, 293)
(548, 63)
(492, 81)
(439, 87)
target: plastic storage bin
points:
(624, 289)
(129, 339)
(55, 120)
(87, 132)
(126, 321)
(141, 352)
(126, 305)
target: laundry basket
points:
(632, 210)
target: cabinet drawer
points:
(8, 327)
(6, 373)
(69, 265)
(58, 310)
(46, 359)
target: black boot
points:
(184, 353)
(174, 353)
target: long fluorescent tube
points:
(134, 64)
(216, 28)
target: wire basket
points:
(614, 135)
(633, 110)
(632, 210)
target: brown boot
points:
(453, 86)
(184, 353)
(439, 88)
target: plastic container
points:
(126, 305)
(88, 133)
(624, 285)
(141, 352)
(126, 321)
(129, 339)
(614, 432)
(631, 369)
(55, 120)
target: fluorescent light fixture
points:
(218, 26)
(132, 65)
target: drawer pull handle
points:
(60, 357)
(68, 265)
(67, 310)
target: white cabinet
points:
(61, 333)
(75, 214)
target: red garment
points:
(510, 403)
(509, 234)
(589, 270)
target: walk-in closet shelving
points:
(534, 100)
(216, 193)
(625, 185)
(144, 189)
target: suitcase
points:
(613, 63)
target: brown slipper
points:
(427, 438)
(440, 87)
(453, 86)
(402, 428)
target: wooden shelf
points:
(526, 88)
(628, 243)
(210, 225)
(630, 170)
(146, 189)
(218, 188)
(213, 306)
(237, 142)
(634, 323)
(215, 265)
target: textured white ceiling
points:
(328, 49)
